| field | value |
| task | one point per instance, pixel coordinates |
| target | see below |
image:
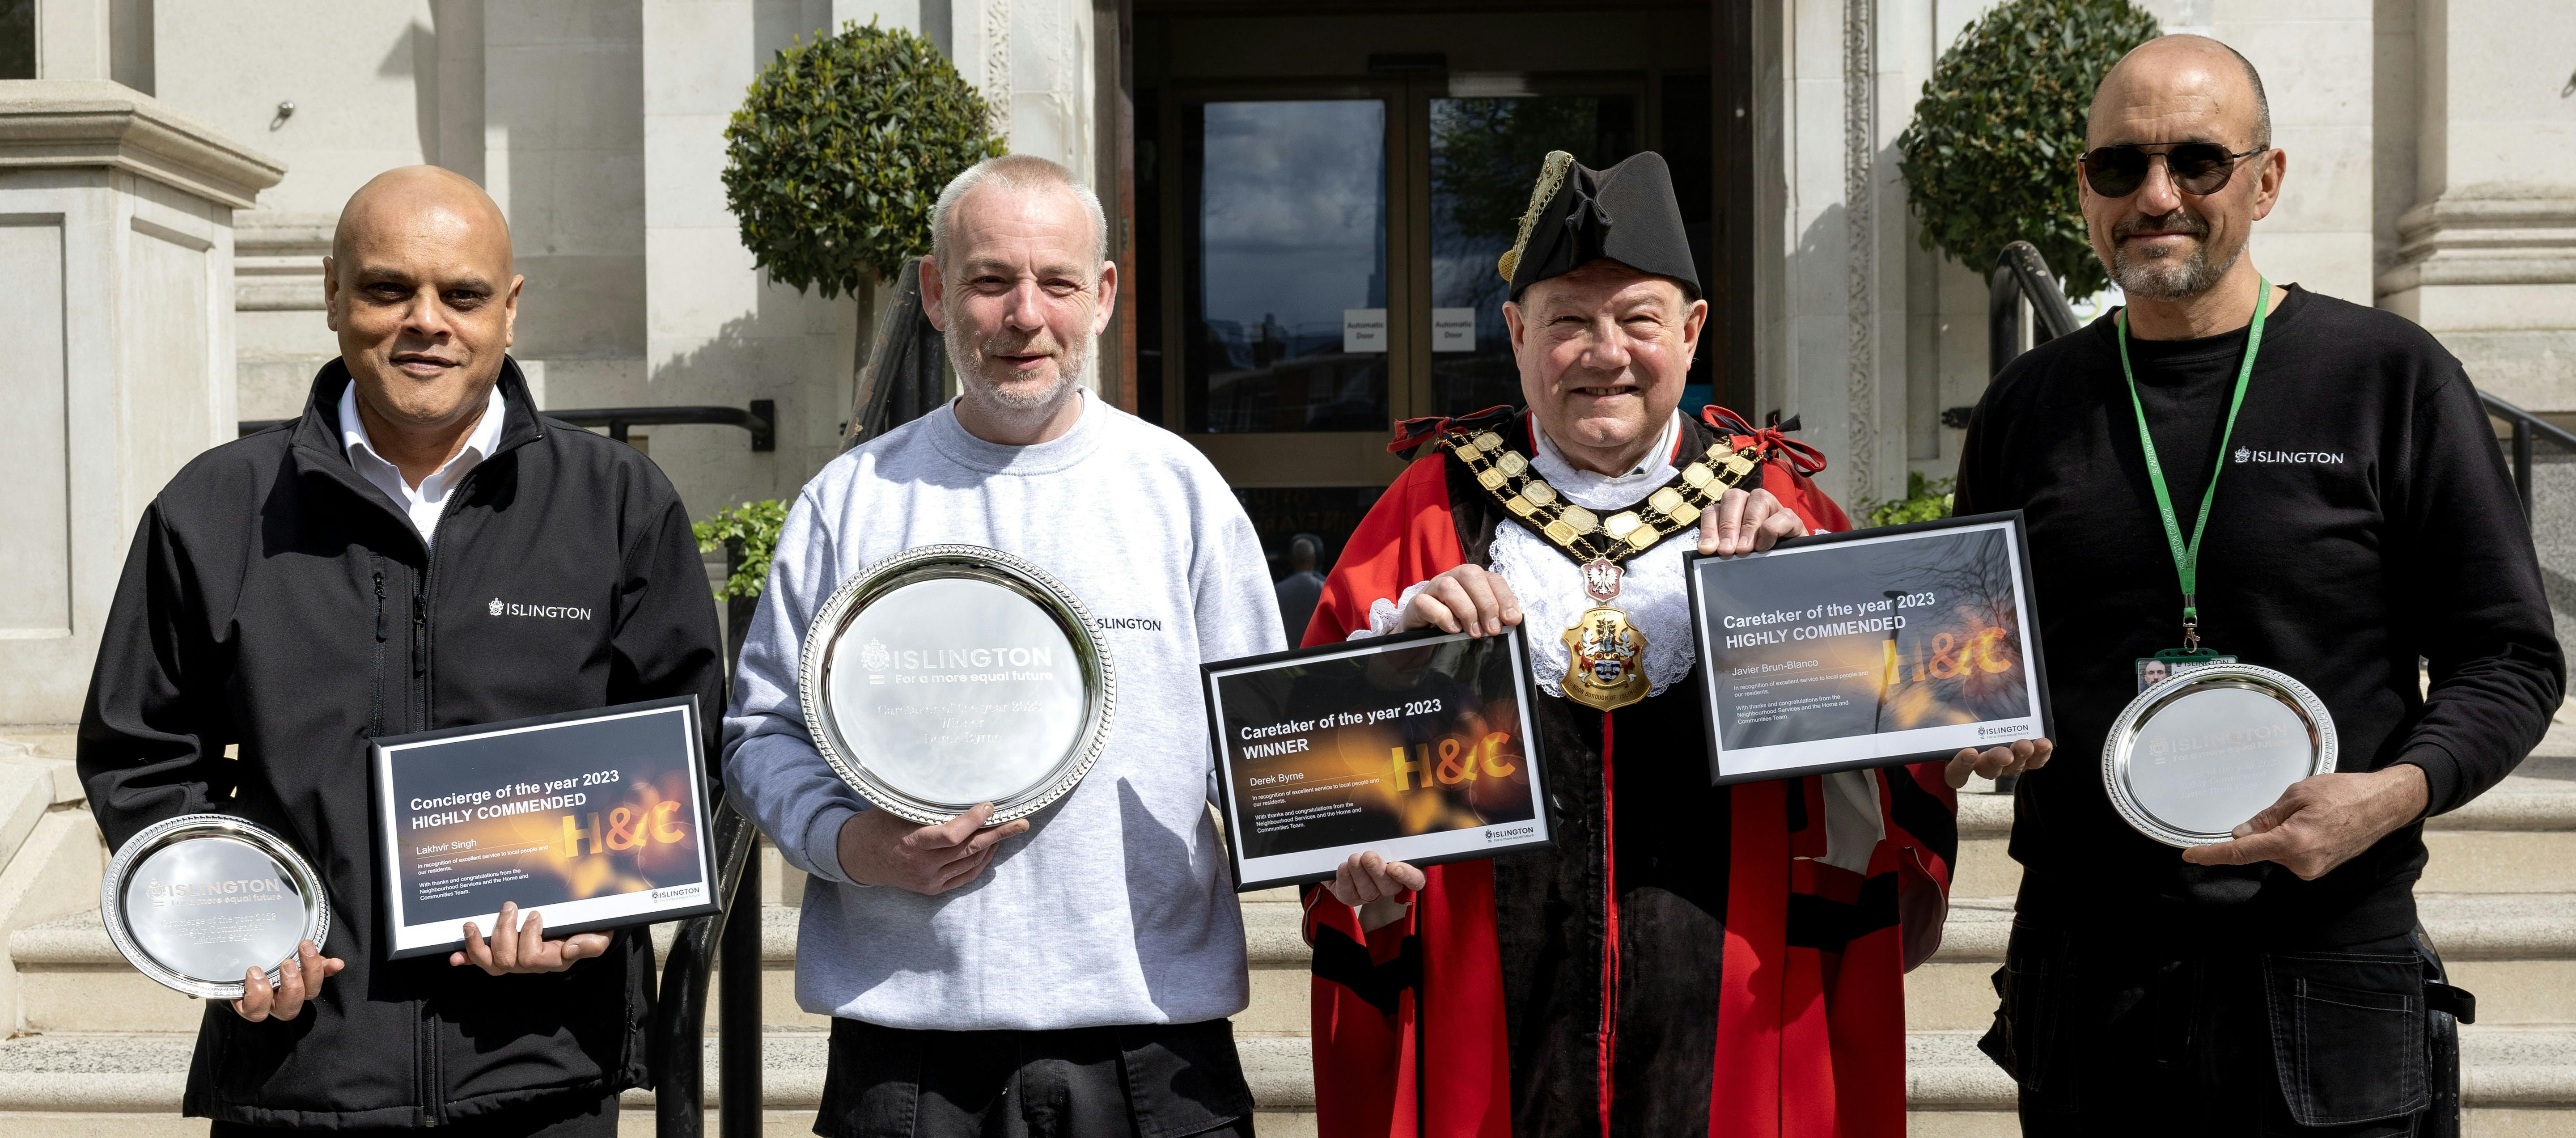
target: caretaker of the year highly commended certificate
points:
(1868, 648)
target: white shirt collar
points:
(1656, 466)
(480, 443)
(424, 504)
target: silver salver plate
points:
(2196, 755)
(951, 675)
(197, 901)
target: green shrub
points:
(840, 150)
(1990, 156)
(756, 525)
(1923, 502)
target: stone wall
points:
(117, 324)
(598, 126)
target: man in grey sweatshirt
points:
(1071, 973)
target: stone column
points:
(2486, 259)
(116, 352)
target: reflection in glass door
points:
(1287, 292)
(1485, 154)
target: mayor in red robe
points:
(1686, 959)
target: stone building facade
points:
(2432, 171)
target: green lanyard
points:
(2187, 557)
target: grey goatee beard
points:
(2167, 277)
(966, 354)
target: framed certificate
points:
(1418, 747)
(592, 819)
(1868, 648)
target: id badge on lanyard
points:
(2171, 662)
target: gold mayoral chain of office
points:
(1605, 653)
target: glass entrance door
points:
(1321, 193)
(1329, 250)
(1287, 286)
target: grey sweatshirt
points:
(1115, 907)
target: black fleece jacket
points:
(2365, 519)
(276, 600)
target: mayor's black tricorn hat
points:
(1577, 215)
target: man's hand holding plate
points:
(879, 848)
(519, 946)
(1747, 522)
(2323, 821)
(298, 980)
(1995, 762)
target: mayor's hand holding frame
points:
(1378, 888)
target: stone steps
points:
(2516, 951)
(2519, 837)
(129, 1083)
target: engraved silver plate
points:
(2193, 757)
(950, 675)
(197, 901)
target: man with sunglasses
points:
(2269, 983)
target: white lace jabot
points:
(1549, 584)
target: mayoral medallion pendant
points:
(1605, 664)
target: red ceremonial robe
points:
(1759, 993)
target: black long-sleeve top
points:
(2365, 519)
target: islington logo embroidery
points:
(2294, 457)
(1135, 623)
(500, 607)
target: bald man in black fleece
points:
(304, 590)
(2267, 984)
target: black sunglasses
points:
(2196, 167)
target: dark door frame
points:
(1732, 245)
(1735, 170)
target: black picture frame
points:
(383, 752)
(1711, 670)
(1222, 752)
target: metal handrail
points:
(725, 943)
(2525, 428)
(761, 419)
(680, 1016)
(905, 374)
(2020, 272)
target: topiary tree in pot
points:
(838, 154)
(1990, 156)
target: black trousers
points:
(2108, 1038)
(1147, 1081)
(588, 1118)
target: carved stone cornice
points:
(2487, 235)
(93, 122)
(277, 260)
